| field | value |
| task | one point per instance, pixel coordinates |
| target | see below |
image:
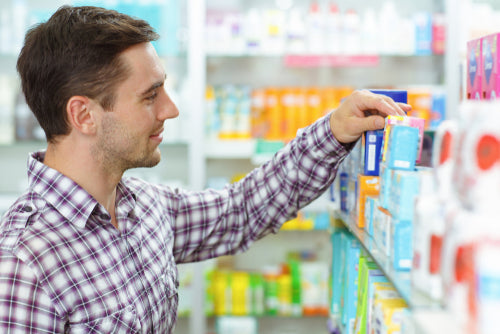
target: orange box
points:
(367, 186)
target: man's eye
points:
(152, 97)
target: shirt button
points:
(27, 208)
(105, 216)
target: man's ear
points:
(79, 114)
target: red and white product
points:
(478, 182)
(457, 262)
(485, 303)
(428, 230)
(444, 155)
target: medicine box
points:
(367, 186)
(404, 190)
(490, 76)
(402, 147)
(414, 122)
(402, 240)
(372, 150)
(474, 69)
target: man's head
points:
(76, 52)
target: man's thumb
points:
(373, 122)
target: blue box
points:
(402, 237)
(372, 149)
(371, 205)
(353, 252)
(403, 147)
(404, 190)
(385, 185)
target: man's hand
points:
(362, 111)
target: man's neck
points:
(79, 165)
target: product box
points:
(349, 300)
(382, 221)
(388, 315)
(385, 185)
(379, 291)
(404, 189)
(415, 122)
(490, 58)
(402, 240)
(423, 33)
(368, 274)
(372, 145)
(474, 69)
(402, 147)
(438, 109)
(338, 265)
(367, 186)
(371, 204)
(420, 100)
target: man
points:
(85, 250)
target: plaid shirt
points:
(64, 268)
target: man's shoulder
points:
(19, 215)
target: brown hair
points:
(76, 52)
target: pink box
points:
(490, 59)
(474, 69)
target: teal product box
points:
(423, 33)
(372, 149)
(371, 204)
(402, 239)
(382, 222)
(338, 261)
(351, 288)
(403, 147)
(404, 190)
(385, 185)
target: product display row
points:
(435, 223)
(17, 16)
(315, 27)
(276, 113)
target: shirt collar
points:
(66, 196)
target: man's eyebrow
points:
(154, 86)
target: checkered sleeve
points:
(24, 306)
(214, 223)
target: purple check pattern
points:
(64, 268)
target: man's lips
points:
(157, 135)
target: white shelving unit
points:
(194, 160)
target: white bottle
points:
(389, 24)
(315, 30)
(352, 33)
(296, 32)
(333, 28)
(369, 36)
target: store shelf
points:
(331, 60)
(435, 322)
(229, 149)
(400, 279)
(257, 151)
